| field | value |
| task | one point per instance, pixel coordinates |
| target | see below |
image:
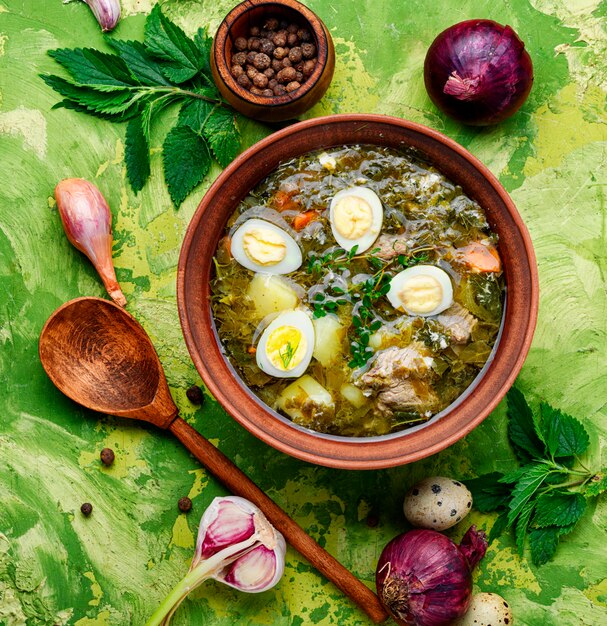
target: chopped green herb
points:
(286, 354)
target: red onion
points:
(478, 72)
(424, 579)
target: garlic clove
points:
(256, 571)
(226, 521)
(87, 222)
(107, 12)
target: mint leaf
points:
(522, 523)
(543, 543)
(521, 427)
(186, 160)
(165, 40)
(531, 480)
(487, 493)
(597, 484)
(499, 526)
(91, 67)
(195, 114)
(137, 151)
(141, 65)
(204, 43)
(223, 135)
(112, 103)
(559, 509)
(564, 435)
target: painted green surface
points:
(112, 569)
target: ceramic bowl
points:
(469, 410)
(277, 108)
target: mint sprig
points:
(546, 496)
(138, 81)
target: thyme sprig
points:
(363, 295)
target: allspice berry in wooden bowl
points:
(272, 61)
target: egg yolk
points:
(264, 246)
(286, 347)
(421, 294)
(352, 217)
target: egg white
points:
(399, 282)
(291, 261)
(299, 320)
(365, 241)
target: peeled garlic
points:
(237, 546)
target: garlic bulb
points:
(107, 12)
(237, 546)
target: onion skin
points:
(478, 72)
(87, 222)
(424, 579)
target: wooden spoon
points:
(98, 355)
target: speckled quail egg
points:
(437, 503)
(421, 290)
(356, 216)
(261, 246)
(286, 345)
(487, 609)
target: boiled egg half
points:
(356, 215)
(286, 345)
(422, 290)
(261, 246)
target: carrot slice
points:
(480, 257)
(283, 201)
(224, 250)
(303, 219)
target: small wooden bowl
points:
(469, 410)
(277, 108)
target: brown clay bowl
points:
(277, 108)
(469, 410)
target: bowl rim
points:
(317, 28)
(342, 454)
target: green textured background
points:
(112, 569)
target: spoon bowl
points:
(98, 355)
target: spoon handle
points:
(240, 484)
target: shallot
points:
(87, 222)
(424, 579)
(237, 546)
(107, 12)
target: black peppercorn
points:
(254, 31)
(280, 53)
(236, 71)
(304, 35)
(240, 58)
(268, 93)
(86, 509)
(184, 504)
(195, 395)
(271, 24)
(240, 43)
(107, 456)
(262, 61)
(295, 54)
(308, 67)
(292, 86)
(267, 47)
(254, 43)
(280, 39)
(292, 39)
(260, 81)
(308, 50)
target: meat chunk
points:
(406, 395)
(390, 246)
(393, 363)
(458, 321)
(398, 380)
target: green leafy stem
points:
(141, 79)
(363, 294)
(546, 496)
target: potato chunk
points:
(306, 401)
(328, 338)
(271, 294)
